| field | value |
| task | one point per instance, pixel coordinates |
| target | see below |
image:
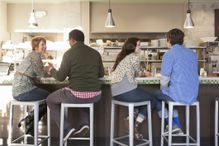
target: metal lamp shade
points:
(32, 20)
(109, 20)
(188, 22)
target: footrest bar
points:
(78, 138)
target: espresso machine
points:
(213, 58)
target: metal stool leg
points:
(65, 117)
(187, 124)
(131, 125)
(36, 119)
(150, 125)
(61, 125)
(198, 123)
(162, 123)
(91, 125)
(112, 123)
(25, 108)
(216, 123)
(48, 127)
(170, 124)
(10, 124)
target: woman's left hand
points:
(147, 74)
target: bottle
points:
(154, 71)
(202, 71)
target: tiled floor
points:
(102, 142)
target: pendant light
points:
(32, 19)
(188, 22)
(109, 20)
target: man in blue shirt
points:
(179, 75)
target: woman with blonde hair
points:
(24, 88)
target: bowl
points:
(208, 39)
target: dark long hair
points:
(128, 48)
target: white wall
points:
(141, 17)
(3, 21)
(85, 20)
(203, 15)
(59, 16)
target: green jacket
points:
(83, 65)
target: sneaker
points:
(29, 129)
(26, 121)
(69, 134)
(138, 135)
(180, 132)
(175, 130)
(81, 131)
(126, 119)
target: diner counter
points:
(7, 80)
(208, 92)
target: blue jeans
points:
(137, 95)
(162, 97)
(35, 95)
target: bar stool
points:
(168, 136)
(35, 105)
(216, 122)
(131, 107)
(64, 109)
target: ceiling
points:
(119, 1)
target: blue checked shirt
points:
(181, 66)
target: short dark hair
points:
(175, 36)
(76, 35)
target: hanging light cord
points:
(109, 5)
(188, 4)
(32, 6)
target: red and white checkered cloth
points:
(85, 94)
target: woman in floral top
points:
(27, 73)
(124, 86)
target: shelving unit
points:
(155, 59)
(55, 46)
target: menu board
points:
(217, 24)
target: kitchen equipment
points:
(163, 42)
(213, 66)
(154, 43)
(208, 39)
(144, 44)
(4, 68)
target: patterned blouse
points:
(128, 66)
(26, 73)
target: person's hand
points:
(147, 73)
(48, 68)
(50, 65)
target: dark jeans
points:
(35, 95)
(137, 95)
(162, 97)
(55, 99)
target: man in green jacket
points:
(83, 67)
